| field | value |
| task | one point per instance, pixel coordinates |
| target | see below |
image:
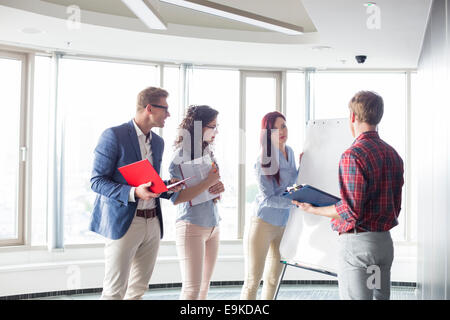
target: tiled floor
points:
(287, 292)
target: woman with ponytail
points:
(197, 226)
(275, 170)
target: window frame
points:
(56, 238)
(25, 126)
(244, 74)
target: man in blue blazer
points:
(129, 217)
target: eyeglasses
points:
(212, 127)
(160, 107)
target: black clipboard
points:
(309, 194)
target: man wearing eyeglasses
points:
(129, 217)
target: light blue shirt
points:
(270, 205)
(204, 214)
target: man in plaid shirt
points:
(371, 180)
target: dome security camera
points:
(360, 59)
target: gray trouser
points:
(364, 265)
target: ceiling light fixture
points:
(146, 13)
(31, 30)
(238, 15)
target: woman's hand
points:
(177, 188)
(190, 193)
(213, 177)
(217, 188)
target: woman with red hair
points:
(275, 170)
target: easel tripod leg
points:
(279, 282)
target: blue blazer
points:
(117, 147)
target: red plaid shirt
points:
(371, 180)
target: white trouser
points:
(364, 265)
(129, 261)
(197, 249)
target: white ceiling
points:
(172, 14)
(110, 29)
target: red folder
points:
(141, 172)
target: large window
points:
(93, 96)
(261, 95)
(172, 83)
(332, 93)
(295, 111)
(11, 143)
(220, 90)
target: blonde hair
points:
(367, 106)
(150, 95)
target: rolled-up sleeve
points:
(353, 187)
(268, 191)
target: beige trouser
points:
(129, 261)
(262, 254)
(197, 249)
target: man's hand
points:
(143, 192)
(329, 211)
(307, 207)
(177, 188)
(217, 188)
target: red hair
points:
(267, 125)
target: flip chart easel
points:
(308, 241)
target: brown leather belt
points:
(146, 213)
(358, 230)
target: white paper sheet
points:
(198, 170)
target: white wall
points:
(431, 130)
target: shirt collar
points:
(139, 131)
(368, 135)
(282, 155)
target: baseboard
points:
(178, 285)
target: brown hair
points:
(202, 113)
(150, 95)
(367, 106)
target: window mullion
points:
(55, 168)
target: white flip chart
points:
(308, 239)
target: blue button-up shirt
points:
(270, 205)
(204, 214)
